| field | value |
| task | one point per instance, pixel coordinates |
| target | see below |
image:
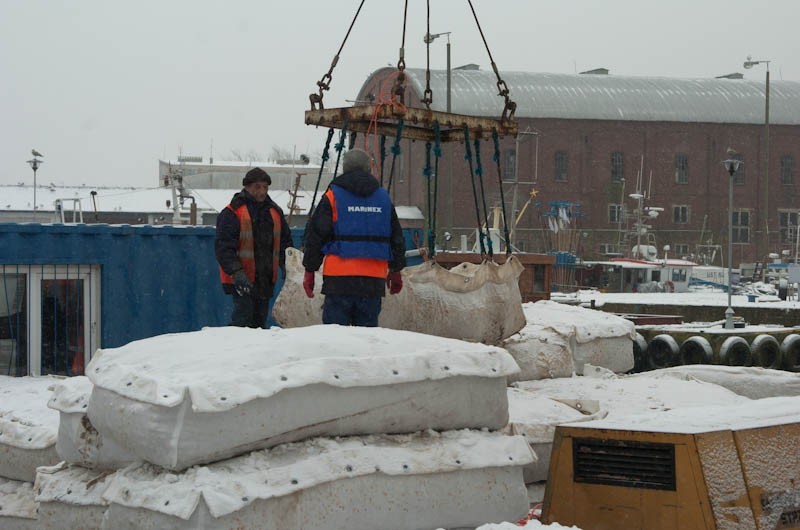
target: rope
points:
(479, 172)
(427, 172)
(395, 149)
(468, 158)
(383, 154)
(340, 145)
(437, 151)
(496, 158)
(325, 156)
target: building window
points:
(510, 165)
(741, 226)
(681, 249)
(617, 166)
(680, 214)
(561, 166)
(738, 176)
(615, 213)
(787, 170)
(788, 225)
(681, 168)
(50, 318)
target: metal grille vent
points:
(624, 463)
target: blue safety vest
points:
(362, 226)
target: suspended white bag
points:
(478, 303)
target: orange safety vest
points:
(337, 266)
(246, 248)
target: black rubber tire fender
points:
(735, 352)
(639, 353)
(766, 352)
(790, 347)
(662, 352)
(696, 350)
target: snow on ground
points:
(696, 298)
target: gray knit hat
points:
(356, 159)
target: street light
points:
(429, 38)
(732, 165)
(749, 63)
(35, 162)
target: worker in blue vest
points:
(355, 235)
(252, 237)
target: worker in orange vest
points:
(356, 237)
(250, 245)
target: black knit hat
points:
(256, 175)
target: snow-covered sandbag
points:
(751, 382)
(71, 497)
(535, 418)
(17, 505)
(541, 352)
(78, 441)
(187, 398)
(622, 395)
(595, 337)
(479, 303)
(457, 479)
(28, 429)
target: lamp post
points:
(35, 162)
(749, 63)
(429, 38)
(732, 165)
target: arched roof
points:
(610, 97)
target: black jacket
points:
(320, 230)
(226, 244)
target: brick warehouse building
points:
(585, 138)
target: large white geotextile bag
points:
(28, 429)
(594, 337)
(541, 352)
(427, 480)
(71, 497)
(17, 505)
(78, 441)
(187, 398)
(479, 303)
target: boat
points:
(631, 275)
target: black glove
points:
(241, 284)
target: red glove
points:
(395, 282)
(308, 284)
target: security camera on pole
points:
(35, 162)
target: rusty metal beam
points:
(418, 124)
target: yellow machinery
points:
(703, 473)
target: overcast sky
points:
(104, 88)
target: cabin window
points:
(681, 168)
(609, 249)
(617, 166)
(788, 226)
(655, 276)
(560, 166)
(680, 214)
(741, 226)
(681, 249)
(48, 318)
(787, 170)
(679, 275)
(738, 176)
(615, 213)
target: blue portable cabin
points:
(66, 290)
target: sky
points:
(105, 88)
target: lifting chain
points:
(399, 89)
(325, 83)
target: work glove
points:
(394, 281)
(241, 283)
(308, 283)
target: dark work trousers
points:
(249, 311)
(351, 310)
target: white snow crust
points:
(16, 500)
(25, 420)
(749, 381)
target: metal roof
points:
(610, 97)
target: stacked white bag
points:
(27, 440)
(183, 406)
